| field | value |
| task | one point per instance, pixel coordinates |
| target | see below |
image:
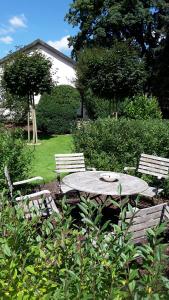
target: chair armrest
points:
(129, 168)
(37, 194)
(90, 169)
(28, 180)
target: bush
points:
(53, 261)
(15, 154)
(57, 112)
(97, 107)
(110, 144)
(141, 107)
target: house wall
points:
(62, 71)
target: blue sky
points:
(23, 21)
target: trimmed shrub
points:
(141, 107)
(15, 154)
(110, 144)
(57, 112)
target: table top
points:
(90, 182)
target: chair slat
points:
(158, 158)
(158, 163)
(70, 170)
(153, 165)
(76, 166)
(69, 155)
(143, 171)
(152, 169)
(147, 211)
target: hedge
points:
(57, 112)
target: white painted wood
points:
(33, 179)
(90, 182)
(158, 158)
(152, 173)
(69, 155)
(72, 166)
(71, 170)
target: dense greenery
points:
(102, 22)
(97, 106)
(57, 112)
(111, 73)
(15, 154)
(52, 259)
(141, 107)
(111, 144)
(142, 24)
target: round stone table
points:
(90, 182)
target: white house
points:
(63, 67)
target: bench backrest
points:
(70, 163)
(146, 218)
(154, 165)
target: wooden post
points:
(28, 127)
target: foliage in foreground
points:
(15, 154)
(54, 259)
(57, 112)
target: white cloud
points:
(61, 45)
(18, 21)
(5, 30)
(6, 39)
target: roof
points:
(45, 45)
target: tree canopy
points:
(111, 73)
(26, 75)
(101, 22)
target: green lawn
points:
(43, 162)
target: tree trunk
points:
(35, 134)
(29, 100)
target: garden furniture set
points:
(109, 184)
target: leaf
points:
(6, 250)
(31, 270)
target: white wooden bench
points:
(69, 163)
(146, 218)
(154, 166)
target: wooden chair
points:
(11, 184)
(143, 219)
(154, 166)
(69, 163)
(37, 204)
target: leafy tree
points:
(27, 75)
(111, 73)
(138, 22)
(102, 22)
(161, 76)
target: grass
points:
(43, 163)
